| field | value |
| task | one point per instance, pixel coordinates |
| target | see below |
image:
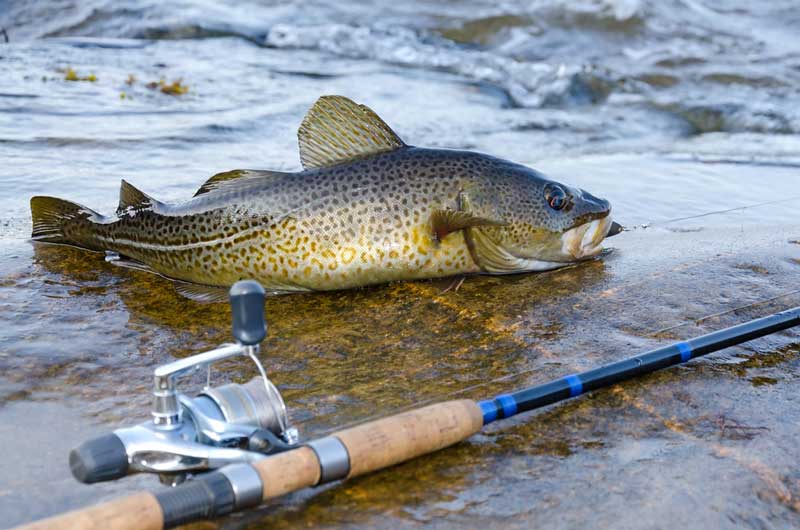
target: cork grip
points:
(376, 445)
(287, 472)
(385, 442)
(140, 511)
(370, 447)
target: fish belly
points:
(302, 255)
(327, 265)
(293, 254)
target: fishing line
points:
(715, 212)
(735, 162)
(699, 320)
(527, 371)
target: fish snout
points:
(588, 208)
(592, 225)
(594, 205)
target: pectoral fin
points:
(444, 222)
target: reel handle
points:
(99, 460)
(247, 304)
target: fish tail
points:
(59, 221)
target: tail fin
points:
(51, 216)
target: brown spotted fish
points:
(366, 209)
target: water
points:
(671, 110)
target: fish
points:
(366, 209)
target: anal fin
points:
(206, 294)
(128, 263)
(193, 291)
(209, 294)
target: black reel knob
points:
(98, 460)
(247, 304)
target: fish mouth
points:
(586, 240)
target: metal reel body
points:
(223, 425)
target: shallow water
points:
(682, 114)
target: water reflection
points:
(397, 344)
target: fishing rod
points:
(235, 445)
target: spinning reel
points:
(228, 424)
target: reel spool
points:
(223, 425)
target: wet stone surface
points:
(717, 434)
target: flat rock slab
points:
(711, 443)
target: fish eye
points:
(556, 197)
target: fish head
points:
(576, 222)
(546, 224)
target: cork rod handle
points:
(389, 441)
(140, 511)
(376, 445)
(371, 446)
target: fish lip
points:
(585, 241)
(588, 218)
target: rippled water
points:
(682, 113)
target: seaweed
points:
(176, 88)
(72, 75)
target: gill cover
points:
(487, 252)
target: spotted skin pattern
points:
(361, 222)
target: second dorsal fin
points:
(237, 177)
(337, 129)
(132, 199)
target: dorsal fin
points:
(336, 129)
(215, 181)
(236, 177)
(131, 198)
